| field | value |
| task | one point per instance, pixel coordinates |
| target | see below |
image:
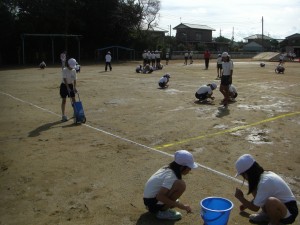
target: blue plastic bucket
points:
(215, 210)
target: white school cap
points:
(185, 158)
(244, 163)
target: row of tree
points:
(100, 22)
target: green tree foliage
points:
(100, 22)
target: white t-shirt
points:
(144, 55)
(219, 60)
(204, 89)
(152, 55)
(148, 55)
(272, 185)
(227, 67)
(70, 75)
(164, 177)
(108, 58)
(163, 80)
(63, 56)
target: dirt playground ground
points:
(94, 173)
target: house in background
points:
(156, 32)
(155, 37)
(193, 34)
(257, 43)
(291, 44)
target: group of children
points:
(148, 68)
(151, 58)
(188, 55)
(205, 92)
(43, 66)
(163, 189)
(270, 192)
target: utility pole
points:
(262, 34)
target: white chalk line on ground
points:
(124, 139)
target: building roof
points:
(193, 26)
(158, 29)
(296, 35)
(155, 30)
(258, 36)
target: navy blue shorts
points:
(152, 206)
(201, 96)
(162, 85)
(293, 208)
(63, 91)
(226, 80)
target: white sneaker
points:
(64, 118)
(261, 217)
(169, 214)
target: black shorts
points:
(201, 96)
(226, 80)
(152, 206)
(219, 66)
(63, 91)
(293, 208)
(162, 84)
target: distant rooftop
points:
(193, 26)
(258, 36)
(158, 29)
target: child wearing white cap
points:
(42, 65)
(166, 185)
(219, 66)
(108, 61)
(164, 80)
(271, 193)
(226, 78)
(68, 85)
(205, 92)
(232, 92)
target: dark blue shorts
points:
(293, 208)
(226, 80)
(63, 91)
(152, 206)
(162, 84)
(201, 96)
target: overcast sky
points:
(244, 17)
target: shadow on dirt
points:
(222, 111)
(36, 132)
(246, 215)
(204, 102)
(150, 219)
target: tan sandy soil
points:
(60, 173)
